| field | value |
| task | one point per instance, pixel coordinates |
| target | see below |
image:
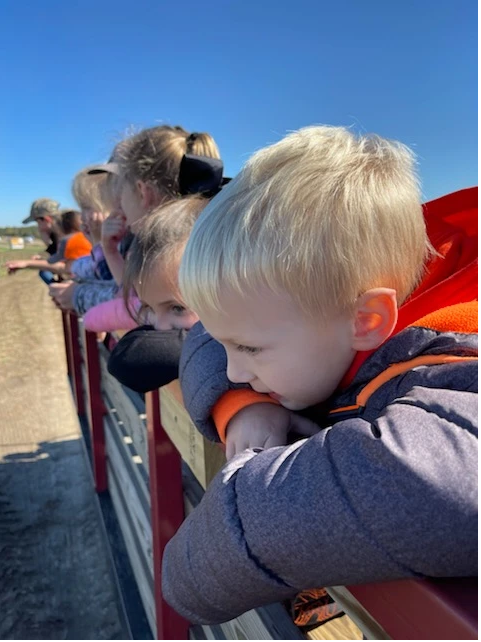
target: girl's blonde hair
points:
(154, 155)
(94, 191)
(159, 238)
(323, 215)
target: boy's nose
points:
(237, 373)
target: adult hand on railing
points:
(264, 425)
(63, 294)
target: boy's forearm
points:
(43, 264)
(343, 507)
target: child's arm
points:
(263, 425)
(111, 315)
(113, 231)
(87, 295)
(35, 264)
(145, 359)
(83, 268)
(359, 502)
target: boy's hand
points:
(95, 221)
(114, 229)
(13, 266)
(264, 425)
(63, 294)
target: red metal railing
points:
(425, 609)
(167, 512)
(74, 358)
(165, 472)
(97, 410)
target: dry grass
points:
(6, 254)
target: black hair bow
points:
(201, 175)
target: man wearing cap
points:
(44, 212)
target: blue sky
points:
(76, 75)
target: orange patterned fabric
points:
(313, 607)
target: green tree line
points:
(30, 230)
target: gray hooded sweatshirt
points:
(386, 492)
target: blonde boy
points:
(310, 270)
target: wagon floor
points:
(55, 575)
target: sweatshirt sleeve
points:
(110, 316)
(356, 503)
(83, 268)
(145, 358)
(89, 294)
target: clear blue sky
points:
(75, 75)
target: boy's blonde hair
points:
(94, 191)
(323, 215)
(154, 155)
(160, 237)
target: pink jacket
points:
(111, 315)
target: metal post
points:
(167, 510)
(97, 411)
(76, 356)
(66, 336)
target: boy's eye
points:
(178, 309)
(248, 349)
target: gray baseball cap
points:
(106, 168)
(111, 166)
(42, 207)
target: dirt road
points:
(55, 580)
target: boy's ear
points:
(148, 193)
(376, 314)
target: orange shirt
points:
(77, 246)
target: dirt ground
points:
(55, 580)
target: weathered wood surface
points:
(132, 494)
(128, 406)
(357, 613)
(141, 572)
(203, 457)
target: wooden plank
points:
(139, 518)
(358, 614)
(129, 451)
(132, 415)
(144, 581)
(340, 628)
(203, 457)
